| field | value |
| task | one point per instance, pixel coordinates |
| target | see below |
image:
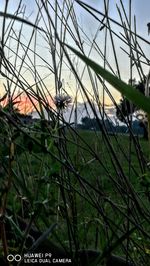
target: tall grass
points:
(81, 195)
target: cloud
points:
(72, 114)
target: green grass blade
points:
(128, 91)
(43, 237)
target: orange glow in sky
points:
(26, 104)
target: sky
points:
(88, 28)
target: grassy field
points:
(89, 194)
(59, 185)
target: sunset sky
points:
(88, 27)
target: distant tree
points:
(96, 123)
(137, 128)
(126, 108)
(90, 123)
(121, 129)
(109, 125)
